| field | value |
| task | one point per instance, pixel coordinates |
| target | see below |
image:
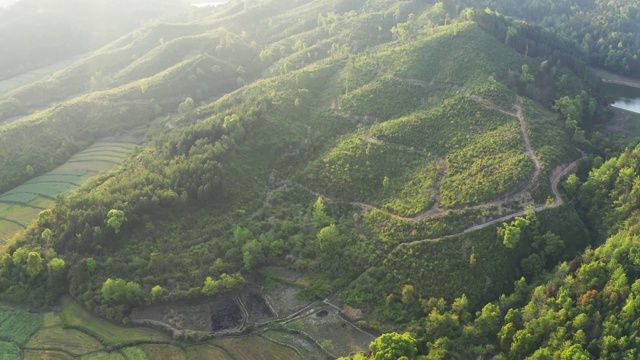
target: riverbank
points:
(625, 123)
(613, 78)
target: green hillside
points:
(399, 161)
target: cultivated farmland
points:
(21, 205)
(255, 347)
(76, 316)
(333, 333)
(67, 340)
(18, 325)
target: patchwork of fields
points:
(21, 205)
(75, 334)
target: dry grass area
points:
(207, 352)
(255, 348)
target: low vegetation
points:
(371, 148)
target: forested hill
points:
(604, 31)
(373, 148)
(586, 308)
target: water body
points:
(626, 97)
(624, 90)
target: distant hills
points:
(373, 148)
(36, 33)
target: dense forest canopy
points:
(402, 156)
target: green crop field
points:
(102, 156)
(18, 325)
(15, 196)
(41, 201)
(40, 192)
(76, 316)
(92, 166)
(45, 354)
(21, 214)
(7, 231)
(9, 351)
(48, 178)
(45, 189)
(68, 340)
(103, 356)
(255, 347)
(165, 352)
(135, 353)
(206, 352)
(116, 150)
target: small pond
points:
(626, 97)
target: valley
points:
(321, 179)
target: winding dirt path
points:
(527, 142)
(559, 172)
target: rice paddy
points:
(21, 205)
(74, 333)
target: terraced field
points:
(74, 333)
(333, 333)
(21, 205)
(255, 347)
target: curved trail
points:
(559, 172)
(436, 210)
(527, 142)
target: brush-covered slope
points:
(324, 158)
(585, 308)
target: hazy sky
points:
(4, 3)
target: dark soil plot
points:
(257, 307)
(226, 317)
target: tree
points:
(408, 295)
(46, 236)
(386, 183)
(211, 287)
(45, 219)
(392, 346)
(488, 320)
(525, 77)
(115, 219)
(187, 106)
(56, 265)
(328, 237)
(20, 255)
(119, 289)
(231, 282)
(575, 352)
(510, 235)
(34, 264)
(320, 217)
(6, 262)
(91, 265)
(112, 290)
(253, 255)
(156, 293)
(133, 292)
